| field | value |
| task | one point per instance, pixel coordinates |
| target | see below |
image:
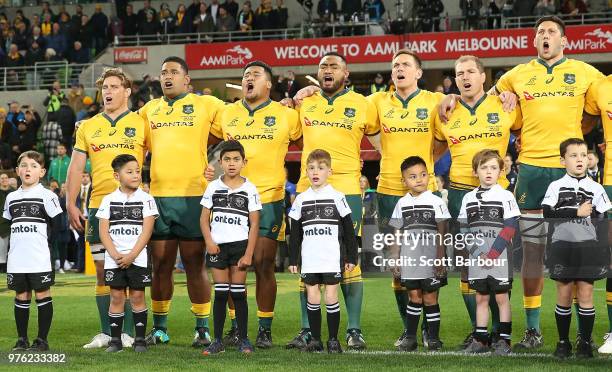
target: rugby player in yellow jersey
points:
(179, 123)
(551, 91)
(335, 119)
(265, 129)
(478, 122)
(599, 102)
(405, 119)
(115, 131)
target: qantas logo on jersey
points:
(458, 140)
(387, 129)
(128, 231)
(239, 137)
(530, 96)
(317, 123)
(104, 146)
(317, 231)
(171, 124)
(24, 229)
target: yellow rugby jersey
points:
(265, 132)
(102, 139)
(337, 125)
(599, 102)
(552, 101)
(406, 129)
(179, 130)
(471, 129)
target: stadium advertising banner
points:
(373, 49)
(131, 55)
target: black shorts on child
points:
(321, 278)
(490, 285)
(25, 282)
(584, 261)
(229, 255)
(134, 277)
(426, 285)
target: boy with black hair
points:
(126, 220)
(491, 214)
(323, 242)
(579, 254)
(230, 225)
(30, 208)
(423, 214)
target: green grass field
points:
(76, 321)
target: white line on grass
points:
(448, 353)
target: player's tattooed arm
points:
(439, 149)
(305, 93)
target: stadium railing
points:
(43, 74)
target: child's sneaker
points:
(21, 344)
(563, 350)
(139, 345)
(39, 345)
(476, 347)
(409, 343)
(584, 350)
(500, 347)
(216, 347)
(245, 346)
(333, 346)
(314, 346)
(115, 346)
(434, 344)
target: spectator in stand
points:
(265, 17)
(428, 13)
(46, 8)
(51, 136)
(13, 183)
(99, 27)
(57, 41)
(493, 14)
(76, 20)
(6, 155)
(14, 60)
(58, 169)
(232, 8)
(146, 9)
(286, 86)
(46, 26)
(150, 89)
(15, 114)
(599, 6)
(66, 119)
(65, 24)
(7, 128)
(54, 100)
(283, 14)
(21, 36)
(374, 9)
(351, 7)
(150, 26)
(37, 36)
(130, 21)
(78, 54)
(327, 9)
(5, 225)
(34, 54)
(225, 21)
(213, 10)
(449, 85)
(75, 96)
(25, 139)
(35, 22)
(524, 8)
(470, 10)
(166, 19)
(84, 112)
(246, 17)
(203, 22)
(19, 16)
(85, 33)
(545, 8)
(574, 8)
(182, 23)
(193, 10)
(378, 85)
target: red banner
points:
(131, 55)
(371, 49)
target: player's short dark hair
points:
(334, 54)
(411, 161)
(178, 60)
(476, 60)
(319, 155)
(484, 156)
(34, 155)
(554, 19)
(261, 64)
(568, 142)
(121, 160)
(231, 145)
(410, 53)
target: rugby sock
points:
(353, 298)
(401, 299)
(103, 303)
(116, 325)
(160, 314)
(576, 307)
(587, 319)
(532, 305)
(128, 320)
(303, 306)
(481, 335)
(563, 316)
(232, 315)
(202, 313)
(469, 299)
(333, 319)
(505, 331)
(140, 320)
(413, 313)
(265, 319)
(314, 319)
(432, 313)
(22, 317)
(494, 315)
(221, 295)
(609, 302)
(45, 316)
(238, 293)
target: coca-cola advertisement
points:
(131, 55)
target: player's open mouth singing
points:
(250, 87)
